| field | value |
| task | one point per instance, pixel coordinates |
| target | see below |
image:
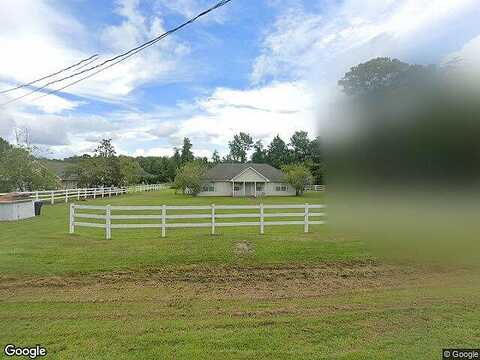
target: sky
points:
(265, 67)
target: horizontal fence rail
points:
(65, 195)
(165, 217)
(315, 188)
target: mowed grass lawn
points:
(236, 295)
(42, 245)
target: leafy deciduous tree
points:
(278, 153)
(20, 171)
(298, 176)
(189, 178)
(382, 74)
(130, 171)
(259, 155)
(239, 147)
(300, 144)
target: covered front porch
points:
(248, 188)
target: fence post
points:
(306, 219)
(213, 219)
(52, 198)
(108, 222)
(261, 219)
(72, 219)
(36, 195)
(164, 218)
(110, 192)
(103, 192)
(94, 193)
(78, 194)
(86, 194)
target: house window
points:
(260, 187)
(208, 188)
(281, 188)
(236, 187)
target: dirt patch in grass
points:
(227, 282)
(244, 248)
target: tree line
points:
(242, 149)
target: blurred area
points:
(403, 160)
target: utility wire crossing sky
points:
(114, 61)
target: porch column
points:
(255, 184)
(233, 188)
(244, 193)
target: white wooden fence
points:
(315, 188)
(107, 217)
(65, 195)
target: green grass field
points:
(236, 295)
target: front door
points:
(249, 189)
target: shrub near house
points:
(298, 176)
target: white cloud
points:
(280, 108)
(468, 55)
(38, 38)
(157, 151)
(323, 45)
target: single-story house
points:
(245, 180)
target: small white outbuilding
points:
(12, 210)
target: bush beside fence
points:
(110, 220)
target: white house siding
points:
(221, 189)
(249, 175)
(271, 189)
(224, 188)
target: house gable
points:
(250, 175)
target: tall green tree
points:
(278, 153)
(315, 161)
(259, 155)
(101, 169)
(130, 171)
(239, 146)
(382, 74)
(20, 171)
(300, 144)
(187, 154)
(176, 158)
(216, 157)
(107, 164)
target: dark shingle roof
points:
(225, 172)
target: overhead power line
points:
(87, 61)
(116, 59)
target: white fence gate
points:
(108, 217)
(315, 188)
